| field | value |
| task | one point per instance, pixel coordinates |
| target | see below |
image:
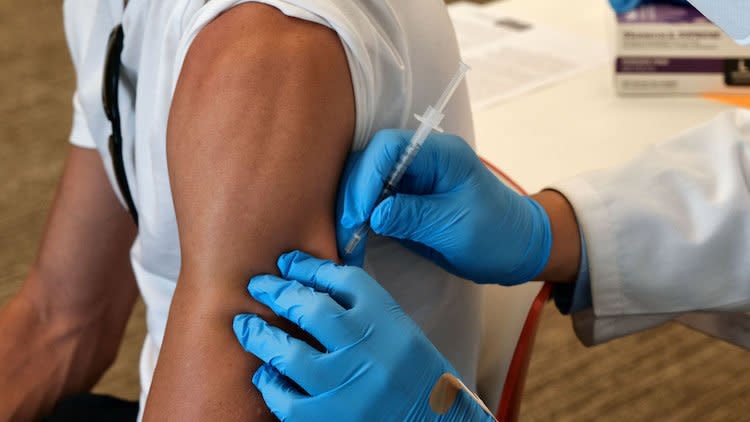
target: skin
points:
(76, 299)
(565, 255)
(260, 126)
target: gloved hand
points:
(622, 6)
(451, 209)
(378, 365)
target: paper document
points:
(512, 55)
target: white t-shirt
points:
(401, 53)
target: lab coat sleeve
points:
(669, 232)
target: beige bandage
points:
(445, 391)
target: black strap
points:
(111, 105)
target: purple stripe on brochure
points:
(662, 13)
(667, 65)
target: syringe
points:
(430, 121)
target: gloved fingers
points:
(343, 283)
(361, 184)
(300, 266)
(444, 163)
(367, 172)
(292, 357)
(280, 395)
(622, 6)
(417, 218)
(315, 312)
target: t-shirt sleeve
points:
(80, 135)
(373, 60)
(77, 29)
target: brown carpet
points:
(670, 373)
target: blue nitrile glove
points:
(622, 6)
(451, 209)
(378, 365)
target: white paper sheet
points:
(512, 55)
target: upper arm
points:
(261, 122)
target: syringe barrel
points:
(356, 238)
(389, 189)
(431, 119)
(405, 160)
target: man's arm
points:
(261, 123)
(61, 331)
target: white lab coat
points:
(669, 232)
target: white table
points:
(579, 124)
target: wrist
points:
(565, 253)
(540, 242)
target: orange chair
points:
(510, 400)
(515, 380)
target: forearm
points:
(47, 355)
(61, 331)
(27, 381)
